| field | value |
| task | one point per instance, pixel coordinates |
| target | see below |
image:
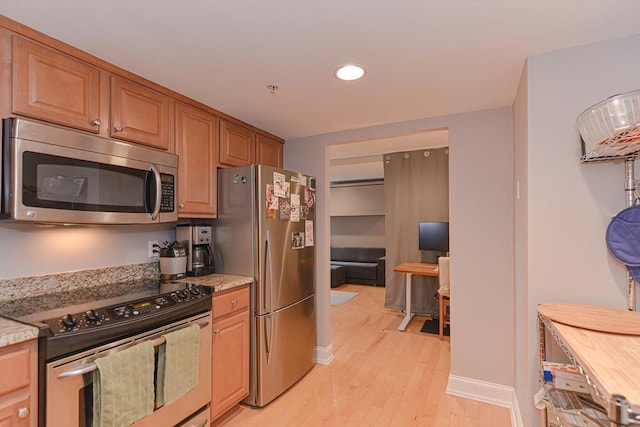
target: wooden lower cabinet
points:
(229, 350)
(19, 385)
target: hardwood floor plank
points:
(380, 377)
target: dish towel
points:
(123, 389)
(178, 364)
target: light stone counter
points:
(220, 282)
(47, 290)
(12, 332)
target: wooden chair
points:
(443, 293)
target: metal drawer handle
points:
(90, 367)
(23, 412)
(96, 122)
(117, 128)
(216, 331)
(234, 302)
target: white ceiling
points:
(424, 58)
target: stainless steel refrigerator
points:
(265, 229)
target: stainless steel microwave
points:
(52, 174)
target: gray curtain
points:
(416, 190)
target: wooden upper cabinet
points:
(55, 87)
(237, 144)
(139, 114)
(268, 151)
(196, 144)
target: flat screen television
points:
(433, 236)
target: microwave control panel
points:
(167, 200)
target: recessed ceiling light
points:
(350, 72)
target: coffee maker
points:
(197, 239)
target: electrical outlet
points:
(154, 249)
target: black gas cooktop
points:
(85, 317)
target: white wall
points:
(481, 215)
(33, 250)
(568, 205)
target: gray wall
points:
(565, 206)
(481, 216)
(32, 250)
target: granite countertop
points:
(220, 282)
(12, 332)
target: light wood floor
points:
(380, 377)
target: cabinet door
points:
(139, 114)
(230, 362)
(55, 87)
(268, 151)
(237, 144)
(19, 384)
(196, 145)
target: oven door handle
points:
(90, 367)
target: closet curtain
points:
(416, 190)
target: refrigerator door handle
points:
(268, 336)
(267, 265)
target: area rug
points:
(432, 326)
(340, 297)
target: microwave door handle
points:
(156, 208)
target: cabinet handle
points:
(216, 331)
(181, 205)
(117, 128)
(96, 122)
(234, 302)
(23, 412)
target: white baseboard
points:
(482, 391)
(324, 355)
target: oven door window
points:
(63, 183)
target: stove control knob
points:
(194, 291)
(181, 294)
(92, 316)
(69, 321)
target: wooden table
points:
(605, 343)
(411, 268)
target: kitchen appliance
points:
(55, 175)
(265, 229)
(173, 261)
(197, 239)
(90, 325)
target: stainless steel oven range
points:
(110, 319)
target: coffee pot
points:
(197, 239)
